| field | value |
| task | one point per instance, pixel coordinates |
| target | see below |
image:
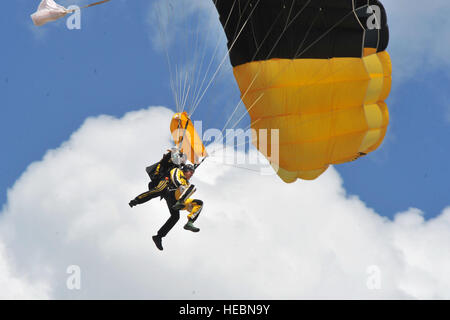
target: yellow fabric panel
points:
(375, 70)
(345, 147)
(191, 143)
(370, 139)
(326, 111)
(383, 128)
(339, 82)
(385, 60)
(369, 51)
(292, 176)
(380, 70)
(374, 116)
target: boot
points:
(190, 226)
(158, 242)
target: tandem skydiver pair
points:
(170, 181)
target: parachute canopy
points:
(186, 137)
(315, 70)
(49, 10)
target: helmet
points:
(178, 158)
(188, 167)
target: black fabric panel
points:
(290, 29)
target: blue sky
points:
(52, 79)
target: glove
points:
(133, 203)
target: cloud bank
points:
(259, 239)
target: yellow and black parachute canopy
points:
(317, 71)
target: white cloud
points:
(419, 32)
(260, 238)
(13, 287)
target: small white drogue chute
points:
(49, 10)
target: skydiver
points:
(159, 176)
(177, 198)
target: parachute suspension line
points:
(183, 75)
(304, 38)
(185, 78)
(314, 78)
(198, 76)
(233, 165)
(186, 95)
(267, 34)
(326, 33)
(204, 50)
(240, 101)
(271, 28)
(284, 29)
(260, 46)
(254, 56)
(259, 69)
(318, 39)
(224, 58)
(180, 87)
(299, 13)
(307, 34)
(210, 63)
(215, 50)
(177, 88)
(198, 100)
(282, 33)
(253, 104)
(184, 68)
(165, 45)
(248, 127)
(180, 78)
(196, 58)
(287, 25)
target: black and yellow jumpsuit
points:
(177, 184)
(159, 176)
